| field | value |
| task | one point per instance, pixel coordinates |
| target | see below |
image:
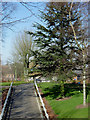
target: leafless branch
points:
(16, 20)
(30, 11)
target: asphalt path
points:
(24, 103)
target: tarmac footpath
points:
(24, 105)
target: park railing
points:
(41, 100)
(6, 101)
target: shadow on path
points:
(23, 105)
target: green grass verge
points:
(14, 83)
(0, 93)
(65, 108)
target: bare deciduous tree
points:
(22, 52)
(82, 44)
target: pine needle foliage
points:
(57, 49)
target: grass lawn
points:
(14, 83)
(9, 83)
(0, 93)
(65, 108)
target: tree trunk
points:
(62, 88)
(84, 86)
(84, 93)
(24, 72)
(15, 74)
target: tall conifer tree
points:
(55, 40)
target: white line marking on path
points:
(39, 105)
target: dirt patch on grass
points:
(82, 106)
(2, 98)
(4, 95)
(61, 99)
(50, 112)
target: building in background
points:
(7, 73)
